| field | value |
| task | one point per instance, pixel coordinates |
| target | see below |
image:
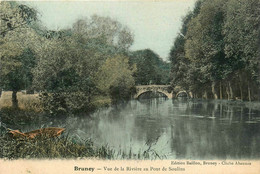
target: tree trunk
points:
(241, 91)
(191, 94)
(249, 91)
(228, 94)
(214, 91)
(14, 99)
(230, 91)
(220, 91)
(258, 93)
(205, 95)
(240, 86)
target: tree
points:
(205, 43)
(241, 31)
(115, 78)
(15, 16)
(218, 48)
(15, 46)
(104, 31)
(150, 68)
(64, 74)
(68, 61)
(184, 72)
(21, 76)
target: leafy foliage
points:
(17, 56)
(115, 78)
(150, 68)
(72, 65)
(105, 31)
(217, 52)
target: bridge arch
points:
(153, 88)
(183, 91)
(165, 89)
(161, 92)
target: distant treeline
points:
(74, 68)
(216, 54)
(151, 69)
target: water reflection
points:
(179, 129)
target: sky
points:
(155, 24)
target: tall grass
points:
(63, 147)
(28, 102)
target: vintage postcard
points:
(162, 86)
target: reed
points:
(64, 148)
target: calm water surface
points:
(177, 129)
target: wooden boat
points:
(46, 132)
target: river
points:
(174, 129)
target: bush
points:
(65, 102)
(14, 117)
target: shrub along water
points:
(15, 117)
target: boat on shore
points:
(46, 132)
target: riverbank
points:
(30, 109)
(28, 102)
(32, 102)
(44, 147)
(64, 148)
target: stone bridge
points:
(153, 88)
(164, 89)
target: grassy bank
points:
(63, 147)
(44, 147)
(30, 108)
(28, 102)
(32, 102)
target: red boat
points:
(47, 132)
